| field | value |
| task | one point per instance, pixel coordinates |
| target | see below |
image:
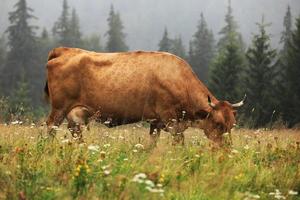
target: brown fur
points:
(130, 87)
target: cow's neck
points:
(199, 96)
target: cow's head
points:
(220, 119)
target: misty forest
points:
(231, 149)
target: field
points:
(119, 163)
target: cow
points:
(128, 87)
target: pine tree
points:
(225, 72)
(293, 73)
(116, 37)
(201, 50)
(22, 54)
(177, 47)
(75, 34)
(61, 28)
(165, 42)
(229, 29)
(259, 81)
(282, 81)
(287, 33)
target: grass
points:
(118, 163)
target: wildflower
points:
(93, 147)
(125, 159)
(106, 145)
(106, 172)
(134, 150)
(149, 183)
(139, 178)
(234, 151)
(246, 147)
(292, 192)
(139, 146)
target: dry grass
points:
(119, 163)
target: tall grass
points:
(119, 163)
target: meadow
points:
(119, 163)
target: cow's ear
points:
(201, 114)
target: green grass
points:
(119, 163)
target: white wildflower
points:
(139, 146)
(93, 147)
(134, 150)
(225, 134)
(139, 178)
(278, 196)
(16, 122)
(106, 172)
(234, 151)
(149, 183)
(246, 147)
(292, 192)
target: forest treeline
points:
(270, 77)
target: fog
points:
(145, 20)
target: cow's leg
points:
(176, 129)
(154, 133)
(54, 120)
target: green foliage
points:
(259, 81)
(20, 102)
(115, 34)
(225, 73)
(201, 50)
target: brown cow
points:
(129, 87)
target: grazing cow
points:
(128, 87)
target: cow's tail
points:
(52, 54)
(46, 91)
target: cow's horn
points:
(239, 104)
(211, 104)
